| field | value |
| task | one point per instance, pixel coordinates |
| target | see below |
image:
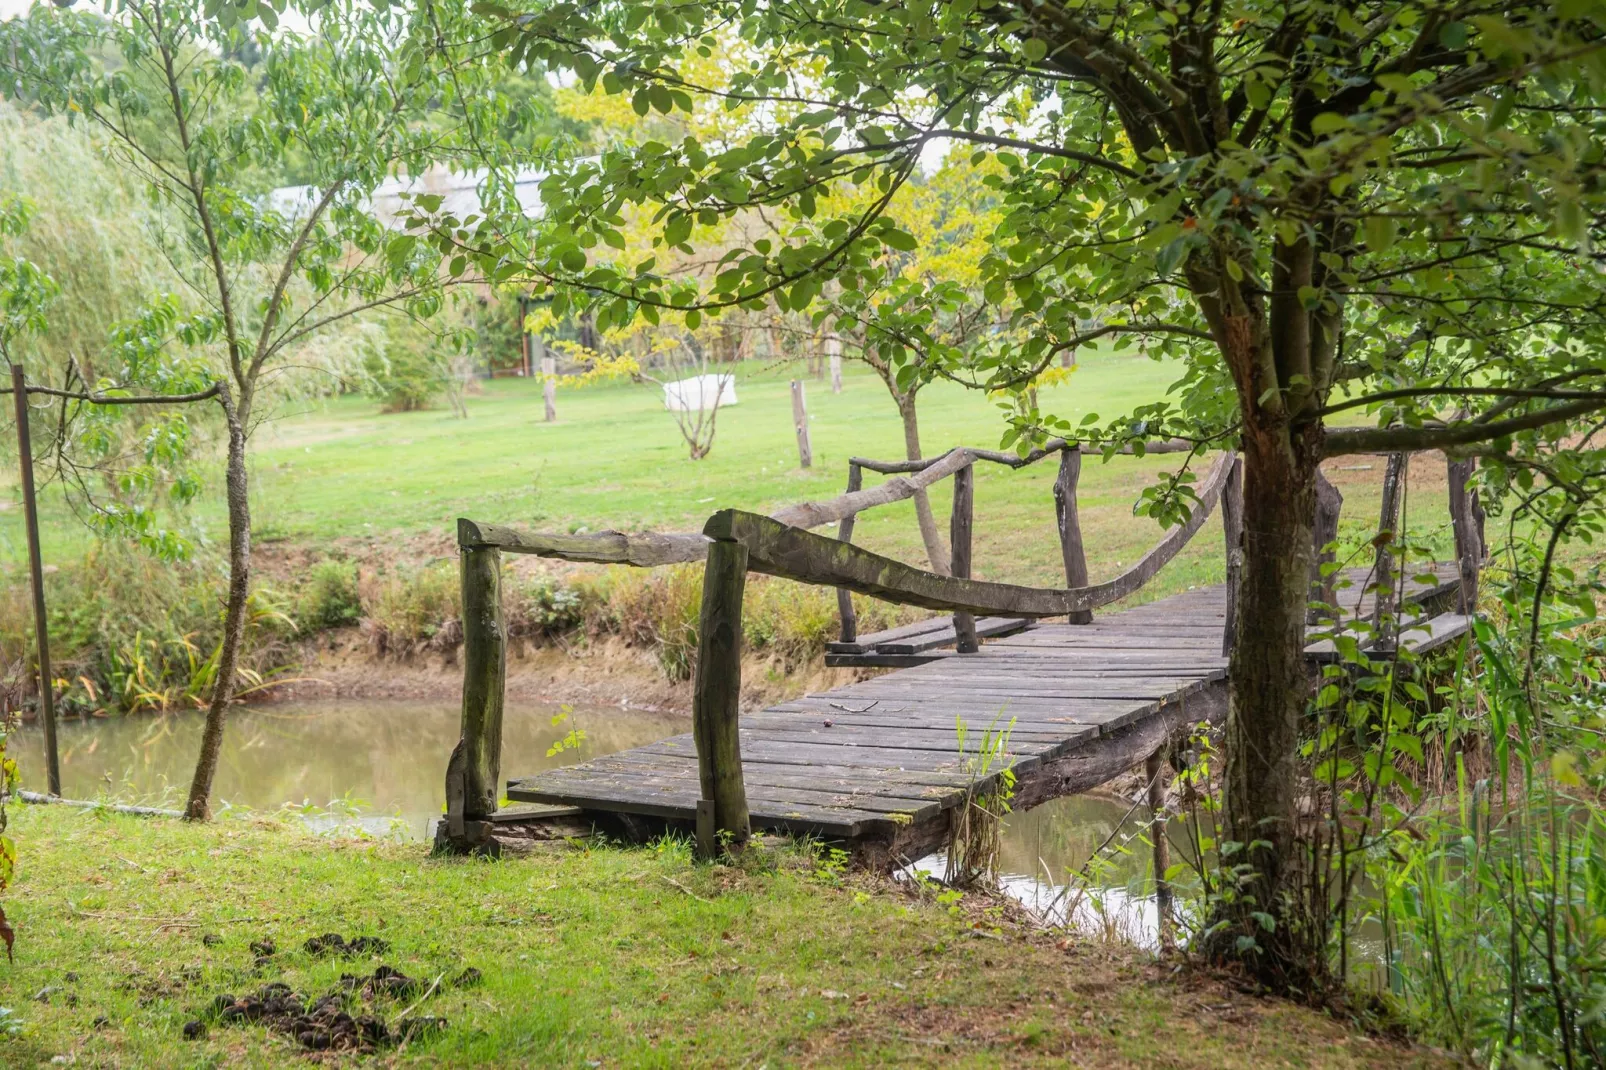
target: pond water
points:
(381, 764)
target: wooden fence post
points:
(1070, 525)
(960, 526)
(716, 698)
(1329, 504)
(800, 420)
(833, 354)
(844, 533)
(1394, 477)
(36, 575)
(549, 382)
(1153, 766)
(1468, 533)
(473, 774)
(1232, 530)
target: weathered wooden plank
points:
(1073, 555)
(870, 758)
(985, 628)
(473, 771)
(793, 553)
(959, 538)
(1468, 537)
(717, 688)
(667, 780)
(643, 549)
(891, 635)
(1329, 506)
(1394, 477)
(846, 614)
(836, 780)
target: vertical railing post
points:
(549, 381)
(844, 533)
(1232, 530)
(1388, 524)
(716, 698)
(800, 422)
(36, 578)
(1329, 506)
(1072, 551)
(473, 774)
(1468, 536)
(1161, 847)
(960, 527)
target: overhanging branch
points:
(1342, 441)
(122, 399)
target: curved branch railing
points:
(789, 552)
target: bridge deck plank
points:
(882, 753)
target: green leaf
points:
(1380, 232)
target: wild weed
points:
(975, 827)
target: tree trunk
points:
(936, 552)
(1269, 689)
(199, 807)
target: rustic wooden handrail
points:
(1016, 460)
(650, 550)
(792, 553)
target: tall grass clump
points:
(131, 632)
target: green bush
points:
(413, 607)
(410, 369)
(329, 598)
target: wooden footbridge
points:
(882, 763)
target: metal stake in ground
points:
(36, 572)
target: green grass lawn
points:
(342, 472)
(128, 928)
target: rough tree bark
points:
(1267, 674)
(237, 488)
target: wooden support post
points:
(800, 420)
(844, 533)
(473, 774)
(1232, 530)
(1329, 504)
(1072, 551)
(1388, 524)
(36, 576)
(549, 383)
(1153, 767)
(525, 338)
(1464, 521)
(716, 698)
(960, 527)
(833, 354)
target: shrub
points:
(329, 598)
(545, 607)
(409, 370)
(412, 607)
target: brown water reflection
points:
(387, 757)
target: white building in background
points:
(459, 192)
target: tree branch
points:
(1343, 441)
(117, 399)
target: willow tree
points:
(357, 98)
(1379, 207)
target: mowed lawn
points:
(344, 474)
